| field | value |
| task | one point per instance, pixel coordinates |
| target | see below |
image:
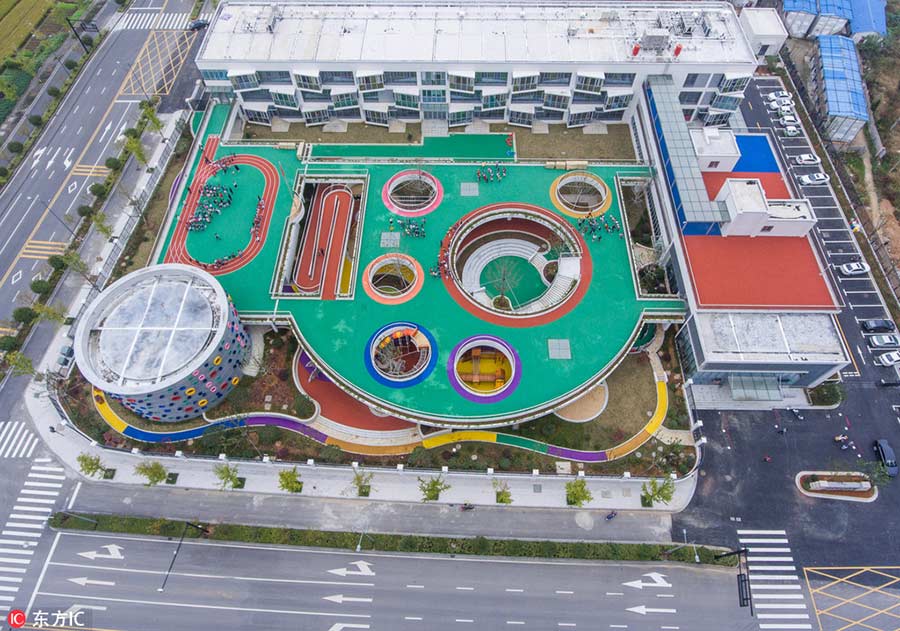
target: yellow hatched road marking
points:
(41, 250)
(869, 591)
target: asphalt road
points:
(215, 585)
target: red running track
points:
(177, 252)
(322, 249)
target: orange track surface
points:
(341, 408)
(177, 252)
(772, 183)
(757, 273)
(326, 230)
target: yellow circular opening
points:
(235, 381)
(190, 391)
(202, 402)
(217, 360)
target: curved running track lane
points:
(326, 231)
(177, 252)
(623, 449)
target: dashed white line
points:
(466, 589)
(513, 590)
(563, 591)
(411, 618)
(415, 586)
(464, 620)
(615, 593)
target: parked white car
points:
(884, 341)
(854, 269)
(780, 94)
(807, 159)
(784, 121)
(814, 179)
(888, 359)
(791, 131)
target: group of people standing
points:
(487, 174)
(213, 199)
(410, 227)
(591, 226)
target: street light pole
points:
(177, 548)
(77, 36)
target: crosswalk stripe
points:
(46, 476)
(19, 533)
(15, 542)
(10, 579)
(8, 588)
(753, 550)
(778, 596)
(7, 599)
(17, 443)
(783, 616)
(785, 626)
(34, 443)
(38, 468)
(763, 540)
(4, 430)
(760, 587)
(33, 517)
(773, 577)
(780, 606)
(772, 568)
(13, 570)
(761, 532)
(37, 492)
(33, 509)
(34, 500)
(18, 524)
(43, 459)
(26, 553)
(43, 485)
(765, 559)
(12, 560)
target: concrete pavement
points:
(220, 585)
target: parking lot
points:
(834, 238)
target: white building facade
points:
(571, 64)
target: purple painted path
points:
(286, 423)
(575, 454)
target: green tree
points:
(85, 211)
(876, 472)
(418, 457)
(48, 313)
(227, 474)
(577, 492)
(41, 287)
(20, 364)
(330, 453)
(88, 40)
(15, 147)
(113, 164)
(503, 494)
(24, 315)
(656, 491)
(432, 488)
(98, 190)
(153, 470)
(53, 91)
(101, 225)
(36, 119)
(8, 343)
(57, 262)
(289, 480)
(362, 482)
(135, 148)
(70, 64)
(90, 465)
(148, 109)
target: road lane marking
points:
(514, 590)
(415, 586)
(563, 591)
(74, 495)
(466, 589)
(411, 618)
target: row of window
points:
(712, 99)
(716, 80)
(429, 78)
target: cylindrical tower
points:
(165, 341)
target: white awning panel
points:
(527, 108)
(518, 74)
(578, 108)
(256, 106)
(409, 90)
(368, 73)
(490, 90)
(376, 107)
(462, 107)
(283, 89)
(343, 89)
(313, 107)
(469, 74)
(592, 74)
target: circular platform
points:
(412, 193)
(580, 194)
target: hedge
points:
(391, 543)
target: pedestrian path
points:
(25, 525)
(774, 584)
(147, 20)
(16, 440)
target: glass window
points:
(734, 85)
(726, 102)
(719, 118)
(520, 84)
(256, 95)
(548, 115)
(245, 81)
(349, 112)
(434, 111)
(460, 118)
(256, 117)
(556, 101)
(406, 100)
(400, 78)
(465, 97)
(520, 118)
(619, 79)
(588, 84)
(555, 78)
(379, 118)
(580, 118)
(434, 96)
(713, 164)
(494, 114)
(537, 96)
(336, 76)
(306, 82)
(716, 80)
(214, 75)
(491, 78)
(284, 100)
(316, 97)
(401, 112)
(763, 50)
(688, 114)
(689, 98)
(370, 82)
(493, 101)
(707, 98)
(345, 100)
(317, 117)
(274, 76)
(587, 97)
(615, 115)
(618, 102)
(434, 78)
(695, 80)
(465, 84)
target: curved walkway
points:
(295, 425)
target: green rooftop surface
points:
(337, 332)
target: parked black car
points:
(877, 326)
(196, 25)
(886, 455)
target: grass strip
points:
(605, 551)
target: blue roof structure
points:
(806, 6)
(837, 8)
(844, 91)
(869, 16)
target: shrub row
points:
(392, 543)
